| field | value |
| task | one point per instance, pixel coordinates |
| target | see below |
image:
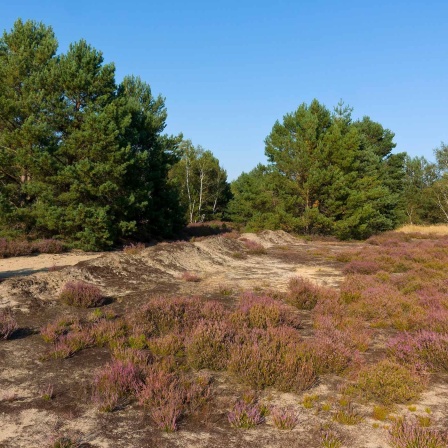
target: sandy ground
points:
(19, 266)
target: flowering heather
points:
(67, 345)
(262, 312)
(115, 382)
(245, 415)
(273, 357)
(253, 247)
(208, 347)
(171, 344)
(303, 294)
(162, 315)
(169, 395)
(404, 434)
(284, 417)
(188, 276)
(8, 324)
(81, 294)
(422, 349)
(361, 267)
(16, 248)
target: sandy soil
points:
(27, 420)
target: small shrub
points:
(168, 396)
(253, 247)
(208, 347)
(424, 421)
(255, 311)
(47, 392)
(8, 324)
(81, 294)
(309, 401)
(245, 416)
(330, 439)
(115, 382)
(68, 344)
(348, 416)
(190, 277)
(387, 383)
(380, 412)
(49, 246)
(134, 248)
(273, 357)
(302, 293)
(284, 418)
(361, 267)
(404, 434)
(424, 349)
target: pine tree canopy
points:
(81, 157)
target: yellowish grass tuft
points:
(439, 229)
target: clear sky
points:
(230, 69)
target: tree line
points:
(85, 159)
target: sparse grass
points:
(330, 439)
(380, 412)
(439, 229)
(309, 401)
(81, 294)
(47, 392)
(8, 324)
(424, 421)
(348, 415)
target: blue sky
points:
(230, 69)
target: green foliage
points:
(327, 175)
(82, 158)
(201, 182)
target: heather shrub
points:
(115, 383)
(332, 352)
(171, 344)
(245, 415)
(107, 331)
(163, 315)
(284, 417)
(404, 434)
(330, 439)
(387, 382)
(361, 267)
(54, 330)
(213, 310)
(262, 312)
(302, 293)
(421, 349)
(170, 395)
(81, 294)
(208, 347)
(273, 357)
(49, 246)
(8, 324)
(66, 345)
(138, 357)
(253, 247)
(188, 276)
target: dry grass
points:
(439, 229)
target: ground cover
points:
(228, 341)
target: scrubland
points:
(232, 340)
